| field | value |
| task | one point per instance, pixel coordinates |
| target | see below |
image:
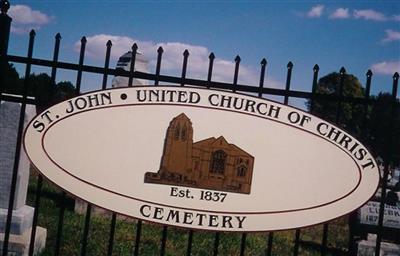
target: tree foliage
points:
(384, 128)
(9, 78)
(40, 86)
(350, 116)
(377, 125)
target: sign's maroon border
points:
(224, 91)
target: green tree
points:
(384, 128)
(377, 125)
(9, 79)
(63, 90)
(39, 86)
(351, 115)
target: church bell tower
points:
(177, 157)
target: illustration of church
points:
(211, 163)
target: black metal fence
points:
(356, 230)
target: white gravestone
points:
(22, 215)
(369, 215)
(367, 247)
(124, 62)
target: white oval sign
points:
(201, 159)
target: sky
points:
(358, 35)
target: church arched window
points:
(177, 131)
(241, 170)
(218, 160)
(183, 133)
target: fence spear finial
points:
(237, 59)
(212, 56)
(263, 62)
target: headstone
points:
(124, 63)
(367, 247)
(22, 215)
(369, 215)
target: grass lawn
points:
(203, 242)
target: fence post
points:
(5, 25)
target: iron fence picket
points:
(385, 173)
(269, 244)
(262, 76)
(5, 27)
(314, 87)
(85, 235)
(243, 244)
(160, 51)
(112, 234)
(286, 102)
(236, 73)
(77, 92)
(60, 225)
(184, 66)
(381, 208)
(260, 95)
(324, 239)
(297, 240)
(137, 238)
(189, 243)
(40, 177)
(134, 49)
(104, 86)
(106, 64)
(183, 76)
(337, 122)
(216, 243)
(288, 80)
(80, 66)
(56, 52)
(353, 216)
(35, 215)
(163, 240)
(211, 58)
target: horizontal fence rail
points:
(261, 89)
(186, 81)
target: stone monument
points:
(367, 247)
(22, 214)
(124, 63)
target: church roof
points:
(213, 141)
(181, 116)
